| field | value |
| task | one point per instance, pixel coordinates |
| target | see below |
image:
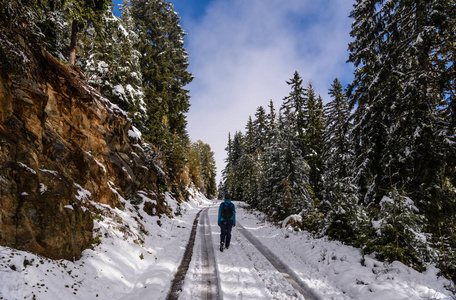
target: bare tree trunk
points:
(74, 40)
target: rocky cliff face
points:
(63, 151)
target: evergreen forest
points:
(374, 167)
(136, 61)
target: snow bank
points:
(135, 256)
(338, 271)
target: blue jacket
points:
(220, 218)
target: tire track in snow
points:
(210, 271)
(210, 274)
(283, 269)
(176, 286)
(273, 282)
(238, 277)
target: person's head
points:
(227, 197)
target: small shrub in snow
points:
(399, 232)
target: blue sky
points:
(242, 52)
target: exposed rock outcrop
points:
(62, 148)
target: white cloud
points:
(243, 51)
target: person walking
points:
(226, 221)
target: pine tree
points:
(400, 233)
(43, 22)
(398, 94)
(312, 141)
(111, 63)
(401, 94)
(260, 130)
(208, 171)
(164, 66)
(248, 172)
(337, 129)
(221, 190)
(285, 186)
(228, 173)
(270, 123)
(250, 164)
(249, 139)
(339, 195)
(234, 172)
(237, 151)
(82, 13)
(293, 110)
(129, 70)
(228, 170)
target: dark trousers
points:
(225, 236)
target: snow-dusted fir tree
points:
(248, 170)
(45, 22)
(371, 132)
(271, 122)
(99, 42)
(251, 163)
(399, 94)
(164, 63)
(227, 172)
(246, 167)
(402, 95)
(260, 130)
(337, 147)
(293, 110)
(237, 152)
(285, 184)
(111, 63)
(164, 66)
(209, 171)
(340, 202)
(313, 139)
(233, 173)
(249, 138)
(83, 14)
(130, 86)
(400, 231)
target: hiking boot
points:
(221, 247)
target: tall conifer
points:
(401, 95)
(313, 122)
(164, 66)
(339, 194)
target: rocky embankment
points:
(64, 150)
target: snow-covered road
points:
(266, 262)
(247, 270)
(139, 256)
(282, 268)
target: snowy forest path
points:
(176, 285)
(247, 270)
(209, 266)
(283, 269)
(208, 285)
